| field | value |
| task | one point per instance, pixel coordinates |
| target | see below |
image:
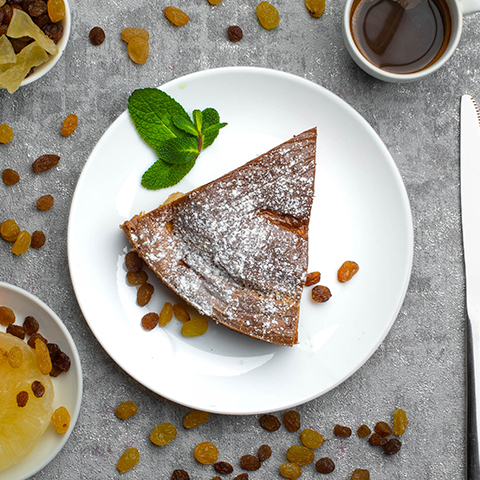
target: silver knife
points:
(470, 203)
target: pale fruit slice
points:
(7, 53)
(21, 427)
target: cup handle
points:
(470, 6)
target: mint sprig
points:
(177, 139)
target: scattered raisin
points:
(224, 467)
(56, 10)
(195, 419)
(62, 362)
(235, 33)
(138, 50)
(128, 460)
(206, 453)
(250, 462)
(400, 422)
(38, 389)
(195, 327)
(165, 315)
(269, 422)
(180, 474)
(264, 452)
(325, 465)
(315, 7)
(9, 230)
(163, 434)
(10, 177)
(22, 243)
(290, 470)
(133, 262)
(347, 271)
(45, 202)
(360, 474)
(22, 398)
(150, 321)
(69, 125)
(342, 431)
(54, 31)
(291, 420)
(363, 431)
(126, 410)
(267, 15)
(7, 316)
(392, 446)
(242, 476)
(300, 455)
(377, 440)
(30, 325)
(383, 429)
(38, 239)
(137, 278)
(37, 8)
(181, 313)
(6, 132)
(129, 33)
(312, 279)
(311, 439)
(97, 36)
(144, 294)
(321, 294)
(45, 162)
(15, 357)
(214, 2)
(176, 16)
(34, 336)
(54, 351)
(17, 331)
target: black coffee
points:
(401, 36)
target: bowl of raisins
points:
(33, 37)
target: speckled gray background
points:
(419, 366)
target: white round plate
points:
(68, 386)
(361, 212)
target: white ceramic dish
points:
(361, 212)
(68, 386)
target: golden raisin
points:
(312, 279)
(10, 177)
(45, 202)
(267, 15)
(291, 420)
(22, 243)
(290, 470)
(206, 453)
(269, 422)
(347, 271)
(150, 321)
(15, 357)
(363, 431)
(311, 439)
(128, 460)
(321, 294)
(129, 33)
(56, 10)
(61, 419)
(195, 419)
(195, 327)
(360, 474)
(163, 434)
(70, 124)
(9, 230)
(181, 313)
(315, 7)
(126, 410)
(144, 294)
(6, 133)
(38, 239)
(300, 455)
(42, 354)
(400, 422)
(7, 316)
(165, 315)
(176, 16)
(214, 2)
(138, 50)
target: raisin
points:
(400, 422)
(62, 362)
(54, 351)
(264, 452)
(133, 262)
(7, 316)
(38, 389)
(35, 336)
(250, 462)
(144, 294)
(325, 465)
(363, 431)
(45, 162)
(129, 33)
(38, 239)
(342, 431)
(42, 354)
(176, 16)
(42, 20)
(22, 243)
(6, 132)
(54, 31)
(138, 50)
(22, 398)
(195, 419)
(242, 476)
(347, 271)
(392, 446)
(267, 15)
(45, 203)
(321, 294)
(16, 331)
(37, 8)
(214, 2)
(56, 10)
(126, 410)
(311, 439)
(224, 467)
(291, 420)
(235, 33)
(290, 470)
(165, 315)
(300, 455)
(360, 474)
(181, 313)
(30, 325)
(312, 279)
(195, 327)
(206, 453)
(7, 14)
(9, 230)
(15, 357)
(137, 278)
(377, 440)
(3, 31)
(383, 429)
(10, 177)
(315, 7)
(163, 434)
(180, 474)
(69, 125)
(96, 36)
(269, 422)
(128, 460)
(150, 321)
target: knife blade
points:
(470, 205)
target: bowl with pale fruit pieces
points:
(38, 405)
(32, 40)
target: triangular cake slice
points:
(236, 249)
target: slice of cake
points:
(236, 249)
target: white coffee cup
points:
(457, 8)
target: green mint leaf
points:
(185, 124)
(163, 175)
(210, 117)
(152, 112)
(197, 119)
(213, 128)
(179, 150)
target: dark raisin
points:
(223, 467)
(19, 44)
(383, 429)
(54, 351)
(133, 262)
(137, 278)
(264, 452)
(3, 31)
(144, 294)
(325, 465)
(55, 372)
(250, 462)
(45, 202)
(37, 8)
(1, 15)
(312, 278)
(321, 294)
(269, 422)
(97, 36)
(180, 474)
(242, 476)
(235, 33)
(54, 31)
(392, 446)
(291, 420)
(38, 239)
(150, 321)
(7, 14)
(38, 389)
(42, 20)
(377, 440)
(62, 362)
(45, 162)
(30, 325)
(17, 331)
(10, 176)
(31, 340)
(363, 431)
(22, 398)
(360, 474)
(342, 431)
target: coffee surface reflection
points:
(401, 36)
